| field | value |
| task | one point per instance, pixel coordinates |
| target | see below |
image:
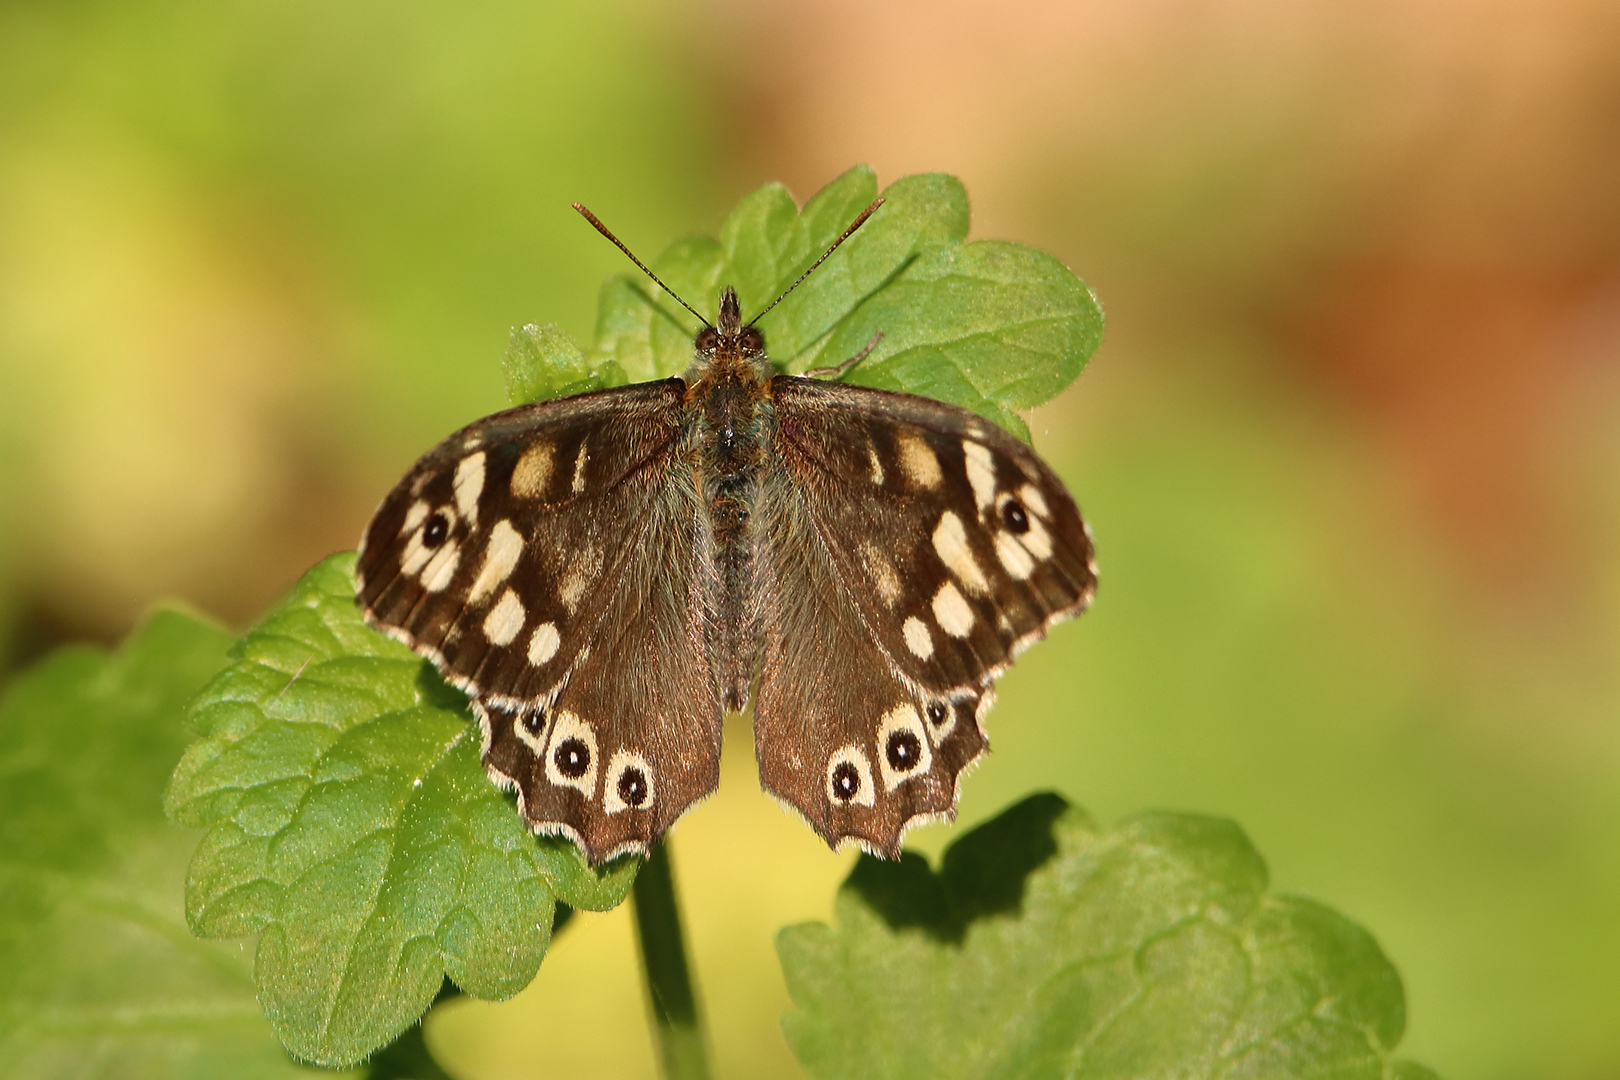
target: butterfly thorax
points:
(727, 410)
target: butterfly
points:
(605, 575)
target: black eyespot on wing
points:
(937, 712)
(904, 751)
(438, 528)
(573, 758)
(633, 787)
(1012, 512)
(533, 721)
(846, 781)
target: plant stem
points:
(678, 1036)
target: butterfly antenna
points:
(603, 229)
(857, 223)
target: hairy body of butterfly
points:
(605, 574)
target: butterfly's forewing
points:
(914, 550)
(546, 559)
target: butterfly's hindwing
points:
(914, 549)
(546, 560)
(633, 739)
(841, 736)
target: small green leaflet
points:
(1047, 947)
(98, 975)
(350, 824)
(990, 326)
(542, 363)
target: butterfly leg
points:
(838, 371)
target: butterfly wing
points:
(914, 550)
(547, 559)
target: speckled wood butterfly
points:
(604, 575)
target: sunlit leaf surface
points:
(1044, 946)
(350, 824)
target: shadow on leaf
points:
(981, 875)
(436, 693)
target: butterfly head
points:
(729, 339)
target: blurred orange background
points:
(1351, 447)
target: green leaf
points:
(351, 825)
(1044, 946)
(98, 975)
(990, 326)
(542, 362)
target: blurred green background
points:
(1351, 448)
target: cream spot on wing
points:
(500, 556)
(981, 472)
(902, 746)
(579, 468)
(849, 777)
(877, 466)
(440, 569)
(950, 543)
(532, 739)
(532, 473)
(882, 573)
(414, 516)
(954, 615)
(918, 461)
(543, 645)
(1037, 540)
(581, 572)
(1035, 500)
(505, 619)
(416, 556)
(572, 748)
(1014, 559)
(629, 783)
(941, 720)
(918, 639)
(470, 485)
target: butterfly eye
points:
(438, 527)
(752, 340)
(1012, 512)
(633, 787)
(904, 751)
(846, 781)
(707, 339)
(573, 758)
(936, 714)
